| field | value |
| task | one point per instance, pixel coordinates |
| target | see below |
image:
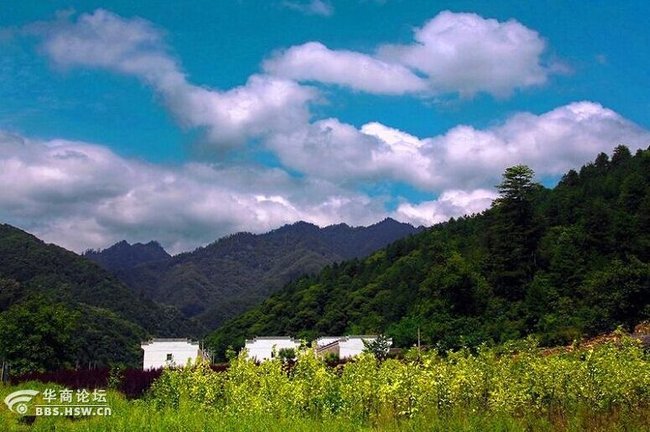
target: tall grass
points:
(516, 388)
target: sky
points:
(184, 121)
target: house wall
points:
(352, 346)
(261, 349)
(155, 353)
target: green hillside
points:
(557, 263)
(221, 280)
(58, 309)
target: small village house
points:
(342, 346)
(267, 347)
(160, 353)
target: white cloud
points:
(311, 7)
(467, 53)
(82, 195)
(135, 47)
(391, 136)
(464, 157)
(452, 203)
(261, 106)
(342, 154)
(105, 40)
(452, 53)
(313, 61)
(550, 143)
(68, 192)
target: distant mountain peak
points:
(302, 224)
(123, 255)
(296, 227)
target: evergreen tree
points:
(513, 234)
(621, 155)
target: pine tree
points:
(513, 234)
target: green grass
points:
(143, 416)
(516, 388)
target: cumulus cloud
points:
(262, 106)
(551, 143)
(313, 61)
(452, 53)
(135, 47)
(452, 203)
(105, 40)
(312, 7)
(464, 157)
(68, 193)
(467, 53)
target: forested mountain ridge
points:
(557, 263)
(122, 255)
(219, 281)
(57, 308)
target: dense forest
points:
(559, 264)
(219, 281)
(58, 309)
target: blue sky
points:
(186, 121)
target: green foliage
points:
(331, 357)
(115, 376)
(514, 387)
(513, 234)
(60, 310)
(122, 255)
(512, 379)
(36, 335)
(517, 186)
(40, 334)
(286, 354)
(30, 267)
(379, 347)
(220, 281)
(559, 264)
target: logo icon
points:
(18, 401)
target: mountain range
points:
(61, 310)
(217, 282)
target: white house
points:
(265, 347)
(343, 346)
(326, 340)
(160, 353)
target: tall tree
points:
(513, 234)
(37, 335)
(516, 186)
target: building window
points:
(169, 357)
